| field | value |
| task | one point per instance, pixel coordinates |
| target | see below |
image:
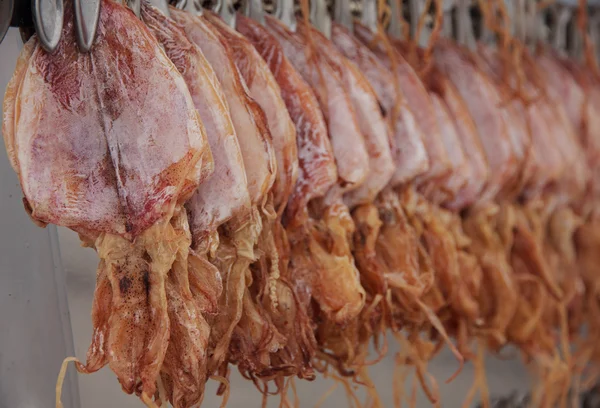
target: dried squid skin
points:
(263, 88)
(256, 337)
(248, 118)
(418, 99)
(571, 87)
(238, 237)
(544, 163)
(112, 179)
(317, 170)
(577, 144)
(321, 247)
(481, 99)
(317, 173)
(369, 118)
(381, 165)
(225, 193)
(96, 170)
(458, 177)
(406, 142)
(346, 139)
(472, 148)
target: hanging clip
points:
(254, 10)
(342, 14)
(466, 36)
(48, 18)
(134, 5)
(226, 11)
(396, 21)
(414, 7)
(87, 14)
(286, 13)
(319, 17)
(6, 13)
(191, 6)
(162, 6)
(559, 37)
(448, 25)
(369, 14)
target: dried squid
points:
(120, 173)
(240, 234)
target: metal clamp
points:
(87, 13)
(6, 13)
(342, 14)
(191, 6)
(47, 17)
(319, 17)
(369, 14)
(284, 11)
(395, 29)
(466, 36)
(254, 10)
(226, 11)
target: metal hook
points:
(284, 11)
(416, 9)
(448, 25)
(162, 6)
(320, 17)
(395, 29)
(595, 30)
(369, 14)
(191, 6)
(415, 12)
(538, 30)
(6, 12)
(226, 11)
(48, 18)
(577, 40)
(87, 14)
(254, 10)
(465, 25)
(564, 15)
(135, 6)
(342, 14)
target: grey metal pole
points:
(35, 328)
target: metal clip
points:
(6, 12)
(559, 37)
(465, 25)
(226, 11)
(48, 18)
(342, 14)
(320, 17)
(162, 6)
(191, 6)
(87, 14)
(448, 26)
(254, 10)
(595, 30)
(395, 29)
(576, 46)
(285, 12)
(369, 14)
(416, 9)
(135, 6)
